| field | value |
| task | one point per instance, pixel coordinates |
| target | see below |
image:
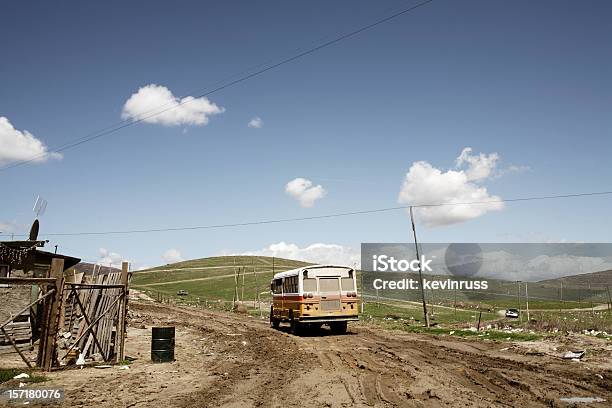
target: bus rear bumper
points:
(327, 319)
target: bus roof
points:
(294, 272)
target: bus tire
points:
(274, 322)
(338, 327)
(296, 327)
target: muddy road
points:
(233, 360)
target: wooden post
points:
(235, 298)
(479, 317)
(48, 335)
(243, 273)
(122, 311)
(518, 299)
(527, 301)
(591, 297)
(609, 298)
(416, 246)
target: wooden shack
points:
(24, 259)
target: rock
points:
(240, 308)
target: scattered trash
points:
(103, 366)
(574, 355)
(244, 343)
(81, 360)
(452, 332)
(67, 335)
(599, 376)
(504, 349)
(124, 367)
(20, 376)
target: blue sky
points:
(527, 81)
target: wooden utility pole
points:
(527, 301)
(609, 298)
(48, 335)
(518, 299)
(256, 287)
(235, 285)
(455, 302)
(123, 303)
(591, 298)
(243, 273)
(416, 246)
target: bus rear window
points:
(329, 284)
(310, 285)
(348, 284)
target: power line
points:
(126, 123)
(325, 216)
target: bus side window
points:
(278, 286)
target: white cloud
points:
(302, 190)
(152, 99)
(425, 184)
(317, 253)
(478, 167)
(172, 255)
(109, 258)
(256, 123)
(7, 227)
(21, 145)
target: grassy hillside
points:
(213, 278)
(597, 280)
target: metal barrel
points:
(162, 344)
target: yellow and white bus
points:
(315, 295)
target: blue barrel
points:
(162, 344)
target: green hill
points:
(214, 278)
(600, 280)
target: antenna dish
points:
(34, 230)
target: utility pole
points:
(235, 298)
(416, 246)
(527, 301)
(256, 288)
(591, 297)
(455, 302)
(362, 298)
(518, 299)
(243, 273)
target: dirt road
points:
(237, 361)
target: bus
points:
(312, 296)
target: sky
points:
(452, 102)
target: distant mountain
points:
(597, 280)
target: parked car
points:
(512, 313)
(182, 292)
